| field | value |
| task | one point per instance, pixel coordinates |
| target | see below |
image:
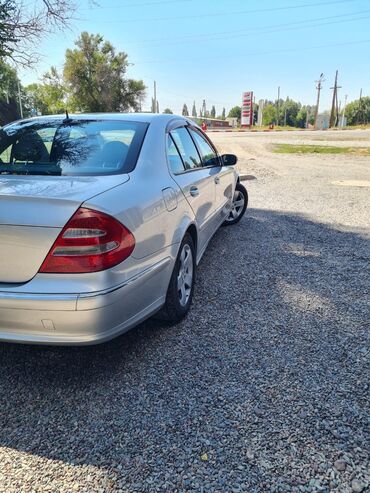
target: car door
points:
(223, 176)
(195, 181)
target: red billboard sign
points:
(247, 109)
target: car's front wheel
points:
(181, 287)
(238, 206)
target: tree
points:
(301, 118)
(23, 25)
(357, 113)
(213, 112)
(47, 98)
(223, 116)
(9, 103)
(7, 12)
(269, 114)
(194, 110)
(235, 112)
(168, 111)
(289, 110)
(95, 76)
(185, 111)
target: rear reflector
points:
(91, 241)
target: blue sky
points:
(216, 49)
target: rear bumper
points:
(85, 318)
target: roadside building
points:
(233, 122)
(211, 122)
(323, 121)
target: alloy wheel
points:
(185, 275)
(237, 206)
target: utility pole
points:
(277, 107)
(260, 112)
(318, 87)
(155, 97)
(20, 100)
(334, 105)
(360, 112)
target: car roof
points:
(132, 117)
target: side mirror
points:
(229, 159)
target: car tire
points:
(181, 287)
(239, 205)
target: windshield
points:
(70, 147)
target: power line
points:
(227, 13)
(251, 31)
(272, 52)
(138, 4)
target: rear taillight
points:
(91, 241)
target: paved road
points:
(264, 387)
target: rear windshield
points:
(70, 147)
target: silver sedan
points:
(103, 220)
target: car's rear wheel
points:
(238, 206)
(181, 287)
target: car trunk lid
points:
(33, 210)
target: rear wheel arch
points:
(192, 230)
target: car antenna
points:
(66, 119)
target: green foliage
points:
(49, 97)
(8, 79)
(95, 76)
(168, 111)
(223, 116)
(301, 118)
(289, 112)
(185, 111)
(320, 149)
(357, 113)
(255, 113)
(235, 112)
(9, 104)
(194, 110)
(213, 112)
(7, 35)
(269, 114)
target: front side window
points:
(186, 147)
(70, 147)
(209, 156)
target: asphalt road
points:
(263, 388)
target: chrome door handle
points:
(217, 180)
(194, 192)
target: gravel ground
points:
(263, 388)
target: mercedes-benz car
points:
(103, 220)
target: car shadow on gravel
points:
(262, 388)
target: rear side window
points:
(209, 155)
(174, 158)
(70, 147)
(186, 147)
